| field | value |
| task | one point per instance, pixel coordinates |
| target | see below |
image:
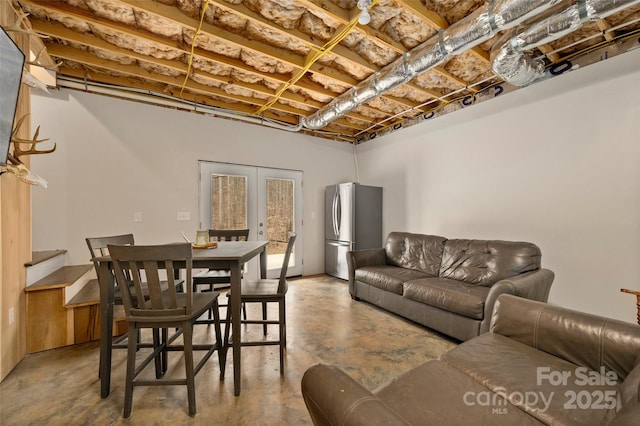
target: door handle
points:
(334, 215)
(260, 232)
(338, 212)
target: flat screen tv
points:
(11, 64)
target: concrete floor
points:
(61, 386)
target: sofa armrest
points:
(532, 285)
(361, 258)
(581, 338)
(370, 257)
(333, 398)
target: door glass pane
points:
(280, 219)
(228, 202)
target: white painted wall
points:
(557, 164)
(117, 157)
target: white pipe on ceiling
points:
(157, 99)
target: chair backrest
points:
(135, 260)
(98, 246)
(285, 263)
(228, 234)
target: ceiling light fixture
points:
(364, 17)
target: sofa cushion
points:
(435, 393)
(453, 296)
(549, 388)
(389, 278)
(415, 251)
(484, 262)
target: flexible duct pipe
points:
(508, 57)
(478, 27)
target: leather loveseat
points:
(447, 285)
(539, 364)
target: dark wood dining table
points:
(230, 255)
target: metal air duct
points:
(478, 27)
(508, 57)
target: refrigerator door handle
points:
(334, 213)
(338, 212)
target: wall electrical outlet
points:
(137, 216)
(12, 315)
(184, 216)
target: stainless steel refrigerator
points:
(353, 221)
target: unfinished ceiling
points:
(278, 62)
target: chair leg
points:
(165, 352)
(131, 367)
(222, 359)
(283, 333)
(226, 330)
(283, 321)
(264, 317)
(187, 333)
(158, 359)
(210, 313)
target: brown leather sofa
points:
(447, 285)
(539, 364)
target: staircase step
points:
(88, 295)
(41, 256)
(63, 277)
(43, 263)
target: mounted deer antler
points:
(16, 167)
(17, 151)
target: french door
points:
(267, 201)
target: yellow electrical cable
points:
(319, 54)
(193, 46)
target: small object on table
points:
(212, 244)
(202, 237)
(201, 244)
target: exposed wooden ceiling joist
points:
(248, 51)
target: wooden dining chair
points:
(219, 279)
(98, 247)
(266, 291)
(163, 310)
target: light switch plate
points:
(184, 216)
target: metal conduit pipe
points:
(169, 101)
(478, 27)
(509, 59)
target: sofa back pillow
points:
(415, 251)
(484, 262)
